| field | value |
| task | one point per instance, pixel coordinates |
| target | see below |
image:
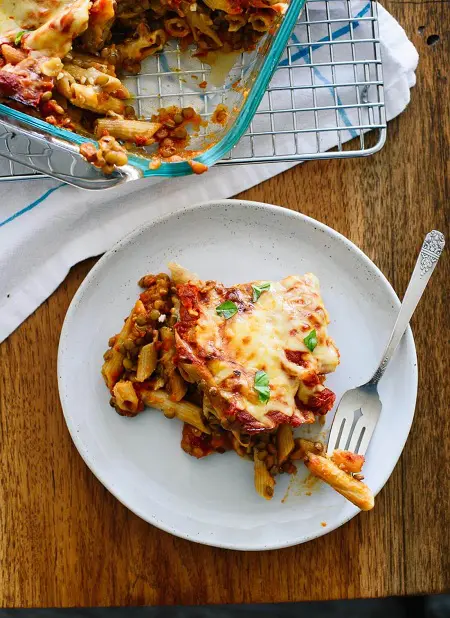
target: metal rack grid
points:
(314, 104)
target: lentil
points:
(128, 364)
(188, 112)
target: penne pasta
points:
(12, 55)
(87, 96)
(112, 368)
(101, 19)
(126, 397)
(285, 443)
(264, 481)
(180, 274)
(94, 99)
(262, 21)
(352, 489)
(176, 27)
(184, 410)
(127, 130)
(235, 22)
(146, 44)
(200, 24)
(176, 386)
(93, 76)
(147, 360)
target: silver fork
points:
(359, 409)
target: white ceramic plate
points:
(140, 461)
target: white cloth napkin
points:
(47, 227)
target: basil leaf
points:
(19, 36)
(259, 289)
(227, 309)
(262, 386)
(310, 340)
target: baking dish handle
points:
(56, 157)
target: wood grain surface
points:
(65, 541)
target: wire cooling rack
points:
(328, 89)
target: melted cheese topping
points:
(257, 337)
(52, 24)
(28, 14)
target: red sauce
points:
(189, 303)
(323, 401)
(199, 444)
(298, 357)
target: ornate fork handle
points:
(429, 255)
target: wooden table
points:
(66, 541)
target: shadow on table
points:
(396, 607)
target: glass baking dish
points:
(173, 77)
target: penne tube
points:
(208, 410)
(355, 491)
(12, 55)
(264, 482)
(261, 21)
(93, 76)
(128, 130)
(92, 98)
(235, 22)
(147, 360)
(176, 386)
(87, 96)
(285, 443)
(101, 19)
(148, 43)
(126, 397)
(184, 410)
(113, 368)
(200, 24)
(176, 27)
(181, 275)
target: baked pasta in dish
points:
(61, 59)
(241, 366)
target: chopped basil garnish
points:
(310, 340)
(259, 289)
(19, 36)
(262, 386)
(227, 309)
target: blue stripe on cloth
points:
(336, 35)
(39, 200)
(342, 112)
(304, 52)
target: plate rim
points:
(125, 241)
